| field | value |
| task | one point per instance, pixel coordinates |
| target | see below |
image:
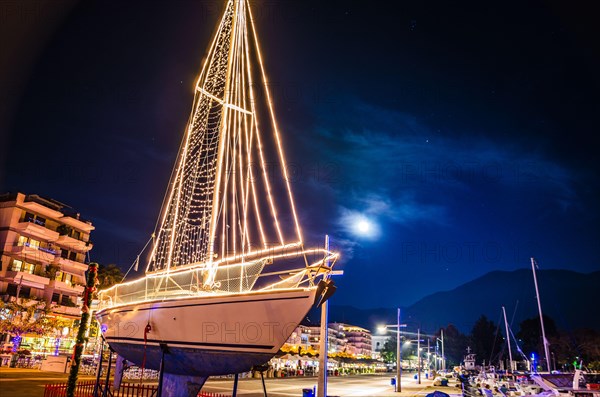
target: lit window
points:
(16, 265)
(29, 268)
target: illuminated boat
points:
(228, 276)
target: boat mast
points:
(537, 295)
(508, 339)
(221, 152)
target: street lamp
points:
(443, 356)
(398, 351)
(419, 361)
(419, 353)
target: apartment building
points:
(341, 338)
(358, 340)
(43, 247)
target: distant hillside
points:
(568, 297)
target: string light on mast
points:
(221, 198)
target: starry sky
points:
(463, 135)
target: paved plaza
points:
(358, 385)
(28, 382)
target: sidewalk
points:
(410, 388)
(20, 382)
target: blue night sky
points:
(463, 136)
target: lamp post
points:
(419, 354)
(398, 356)
(398, 325)
(443, 356)
(323, 339)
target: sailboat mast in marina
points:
(229, 276)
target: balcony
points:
(37, 208)
(33, 253)
(64, 287)
(74, 244)
(26, 279)
(36, 231)
(70, 266)
(77, 224)
(66, 310)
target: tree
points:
(109, 275)
(486, 339)
(26, 316)
(388, 351)
(455, 344)
(576, 345)
(530, 335)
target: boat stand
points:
(105, 392)
(99, 370)
(261, 368)
(262, 377)
(176, 385)
(164, 350)
(235, 385)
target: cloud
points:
(389, 154)
(377, 208)
(396, 172)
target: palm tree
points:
(109, 275)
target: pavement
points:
(343, 386)
(30, 382)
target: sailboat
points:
(228, 277)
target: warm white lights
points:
(229, 209)
(231, 174)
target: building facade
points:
(377, 343)
(43, 247)
(342, 338)
(358, 340)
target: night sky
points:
(464, 133)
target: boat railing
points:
(232, 278)
(170, 285)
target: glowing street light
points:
(384, 328)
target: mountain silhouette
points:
(566, 296)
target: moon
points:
(364, 227)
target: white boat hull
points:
(207, 335)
